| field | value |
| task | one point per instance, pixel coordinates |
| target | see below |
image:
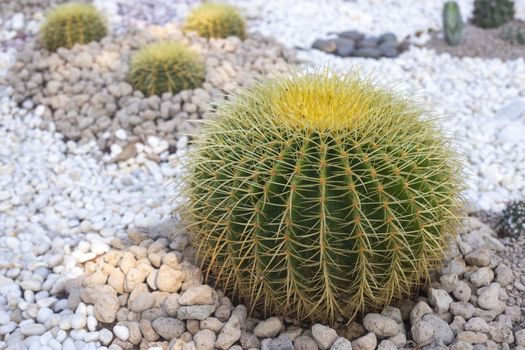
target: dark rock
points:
(389, 49)
(388, 38)
(352, 35)
(325, 45)
(368, 52)
(403, 46)
(371, 41)
(345, 47)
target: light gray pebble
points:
(482, 277)
(488, 296)
(305, 342)
(366, 342)
(440, 299)
(341, 343)
(477, 324)
(386, 345)
(324, 336)
(168, 328)
(204, 339)
(462, 292)
(195, 312)
(229, 334)
(268, 328)
(381, 326)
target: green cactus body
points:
(317, 196)
(166, 67)
(452, 23)
(492, 13)
(70, 24)
(514, 35)
(213, 20)
(513, 219)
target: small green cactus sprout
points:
(213, 20)
(166, 67)
(513, 35)
(492, 13)
(452, 23)
(317, 196)
(512, 222)
(70, 24)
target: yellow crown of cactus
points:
(213, 20)
(318, 196)
(70, 24)
(166, 67)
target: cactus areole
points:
(319, 196)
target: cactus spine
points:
(492, 13)
(166, 67)
(70, 24)
(317, 196)
(452, 23)
(213, 20)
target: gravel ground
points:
(478, 42)
(92, 259)
(117, 115)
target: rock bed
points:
(87, 97)
(145, 293)
(478, 42)
(352, 43)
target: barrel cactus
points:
(513, 219)
(70, 24)
(318, 196)
(452, 23)
(166, 67)
(213, 20)
(492, 13)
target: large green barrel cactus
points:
(492, 13)
(166, 67)
(214, 20)
(318, 196)
(452, 23)
(70, 24)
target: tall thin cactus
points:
(452, 23)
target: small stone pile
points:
(27, 7)
(146, 293)
(86, 93)
(352, 43)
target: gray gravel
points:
(87, 96)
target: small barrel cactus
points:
(70, 24)
(513, 219)
(318, 196)
(514, 35)
(492, 13)
(452, 23)
(213, 20)
(166, 67)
